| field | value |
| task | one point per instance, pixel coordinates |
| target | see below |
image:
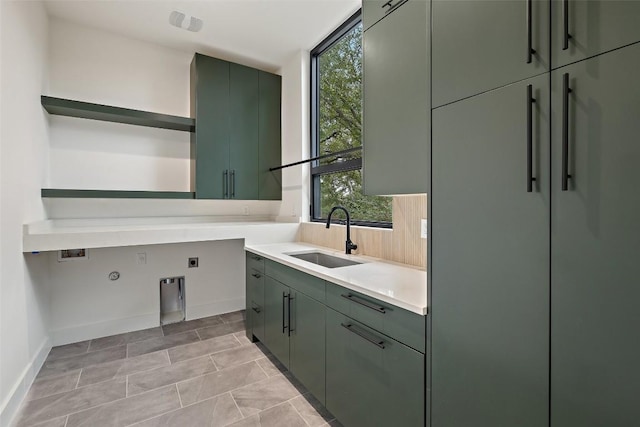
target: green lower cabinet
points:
(307, 343)
(371, 379)
(276, 334)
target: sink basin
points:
(325, 260)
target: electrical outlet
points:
(245, 210)
(423, 228)
(141, 258)
(193, 262)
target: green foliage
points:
(340, 128)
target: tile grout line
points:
(66, 421)
(78, 382)
(126, 386)
(298, 412)
(236, 403)
(179, 397)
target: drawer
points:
(402, 325)
(372, 380)
(255, 262)
(302, 282)
(374, 10)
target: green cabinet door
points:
(375, 10)
(270, 139)
(372, 380)
(244, 98)
(596, 244)
(594, 26)
(482, 45)
(396, 103)
(307, 343)
(210, 141)
(489, 304)
(276, 318)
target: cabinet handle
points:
(365, 303)
(284, 298)
(391, 5)
(256, 309)
(233, 184)
(256, 258)
(225, 184)
(530, 50)
(256, 275)
(289, 330)
(566, 90)
(378, 343)
(565, 25)
(530, 101)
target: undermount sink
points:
(324, 260)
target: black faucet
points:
(349, 244)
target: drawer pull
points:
(378, 343)
(256, 258)
(256, 309)
(256, 275)
(391, 5)
(364, 302)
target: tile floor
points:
(204, 372)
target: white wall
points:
(295, 137)
(24, 296)
(86, 304)
(95, 66)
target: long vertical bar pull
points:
(530, 49)
(566, 90)
(225, 184)
(565, 25)
(530, 101)
(284, 298)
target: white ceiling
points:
(259, 33)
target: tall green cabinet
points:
(490, 263)
(534, 213)
(238, 133)
(595, 239)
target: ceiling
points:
(258, 33)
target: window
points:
(336, 123)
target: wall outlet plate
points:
(423, 228)
(193, 262)
(141, 258)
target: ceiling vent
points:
(186, 22)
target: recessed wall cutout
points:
(193, 262)
(72, 254)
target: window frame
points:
(318, 170)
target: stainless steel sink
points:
(325, 260)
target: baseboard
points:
(11, 404)
(104, 329)
(215, 308)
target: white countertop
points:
(402, 286)
(54, 235)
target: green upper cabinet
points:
(584, 28)
(482, 45)
(374, 10)
(237, 136)
(489, 302)
(244, 98)
(396, 118)
(210, 141)
(270, 152)
(595, 239)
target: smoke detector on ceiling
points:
(186, 22)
